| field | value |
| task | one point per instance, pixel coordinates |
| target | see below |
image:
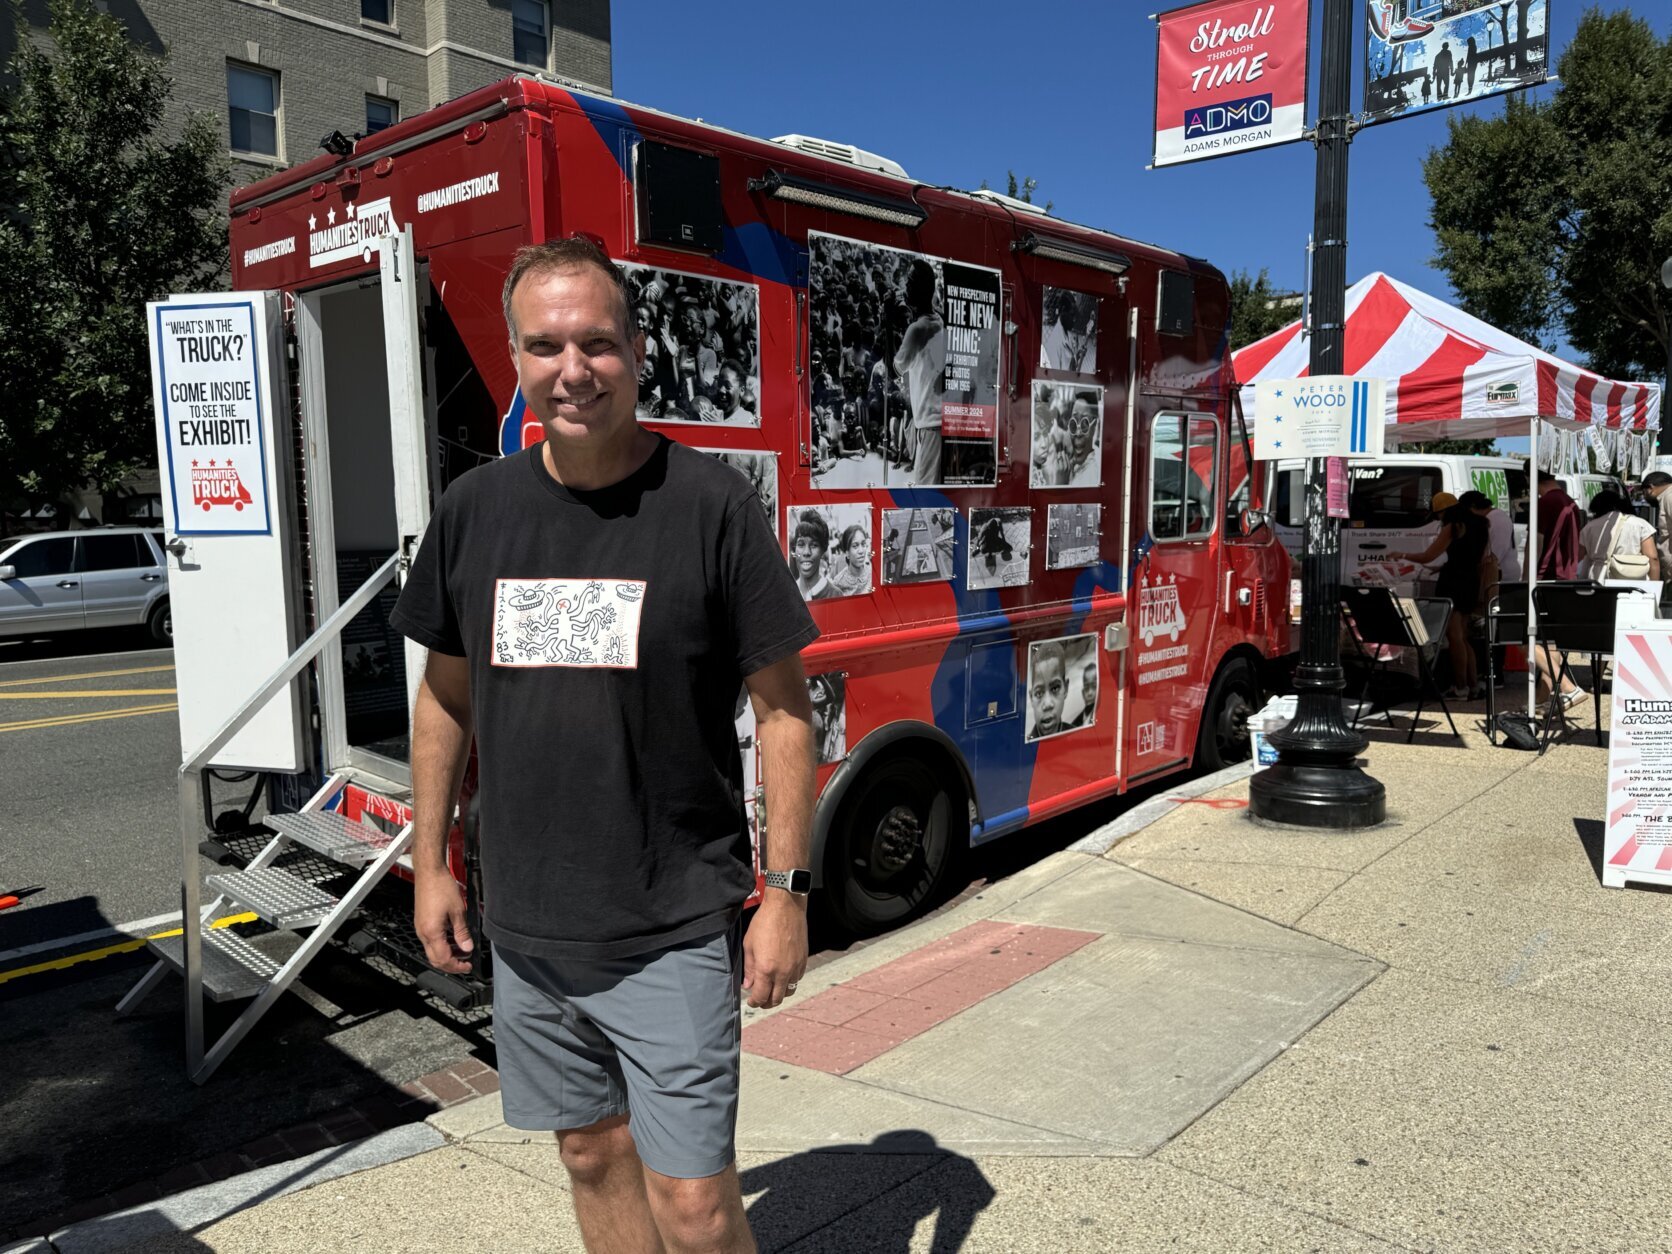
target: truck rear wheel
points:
(1234, 695)
(891, 847)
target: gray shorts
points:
(654, 1037)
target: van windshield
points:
(1392, 496)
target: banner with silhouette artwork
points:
(1429, 54)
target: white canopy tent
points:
(1450, 375)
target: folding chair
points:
(1377, 617)
(1506, 623)
(1575, 617)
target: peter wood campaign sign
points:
(1230, 75)
(1637, 843)
(1327, 415)
(207, 367)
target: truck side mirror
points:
(1252, 520)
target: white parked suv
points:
(58, 581)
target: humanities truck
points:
(996, 447)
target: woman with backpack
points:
(1616, 543)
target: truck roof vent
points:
(847, 154)
(1009, 202)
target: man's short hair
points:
(1656, 479)
(812, 526)
(1475, 499)
(558, 255)
(1544, 476)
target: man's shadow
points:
(898, 1180)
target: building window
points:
(252, 98)
(529, 41)
(380, 11)
(381, 114)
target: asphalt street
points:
(89, 743)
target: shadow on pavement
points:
(883, 1191)
(77, 644)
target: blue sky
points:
(1063, 92)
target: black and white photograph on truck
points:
(830, 550)
(918, 545)
(904, 357)
(1062, 686)
(1000, 542)
(1069, 340)
(761, 470)
(1067, 436)
(701, 347)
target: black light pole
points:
(1663, 444)
(1316, 781)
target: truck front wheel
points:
(891, 847)
(1234, 695)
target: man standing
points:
(591, 607)
(1655, 484)
(921, 362)
(1558, 530)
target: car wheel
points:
(161, 624)
(1223, 737)
(891, 847)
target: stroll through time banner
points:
(1230, 75)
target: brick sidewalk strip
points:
(848, 1025)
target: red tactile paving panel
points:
(848, 1025)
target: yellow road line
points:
(35, 724)
(123, 947)
(64, 679)
(88, 692)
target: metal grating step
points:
(340, 839)
(232, 967)
(280, 898)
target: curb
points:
(1141, 816)
(197, 1208)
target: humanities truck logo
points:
(214, 485)
(1159, 611)
(352, 233)
(1206, 121)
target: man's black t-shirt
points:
(608, 634)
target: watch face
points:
(801, 881)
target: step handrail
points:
(190, 785)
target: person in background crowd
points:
(1614, 529)
(808, 546)
(1470, 567)
(728, 395)
(1558, 530)
(1501, 534)
(1655, 484)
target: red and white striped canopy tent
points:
(1450, 375)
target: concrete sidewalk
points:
(1442, 1034)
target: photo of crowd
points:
(701, 347)
(903, 366)
(1069, 338)
(830, 716)
(917, 545)
(829, 550)
(761, 470)
(999, 547)
(1062, 686)
(1073, 535)
(1067, 436)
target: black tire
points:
(160, 623)
(1233, 696)
(892, 846)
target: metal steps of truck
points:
(326, 832)
(282, 899)
(232, 967)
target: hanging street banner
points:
(1327, 415)
(1429, 54)
(1230, 75)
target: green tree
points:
(105, 215)
(1553, 219)
(1019, 189)
(1258, 308)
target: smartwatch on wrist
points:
(798, 882)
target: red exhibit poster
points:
(1230, 75)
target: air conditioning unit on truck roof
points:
(995, 519)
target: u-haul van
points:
(1049, 603)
